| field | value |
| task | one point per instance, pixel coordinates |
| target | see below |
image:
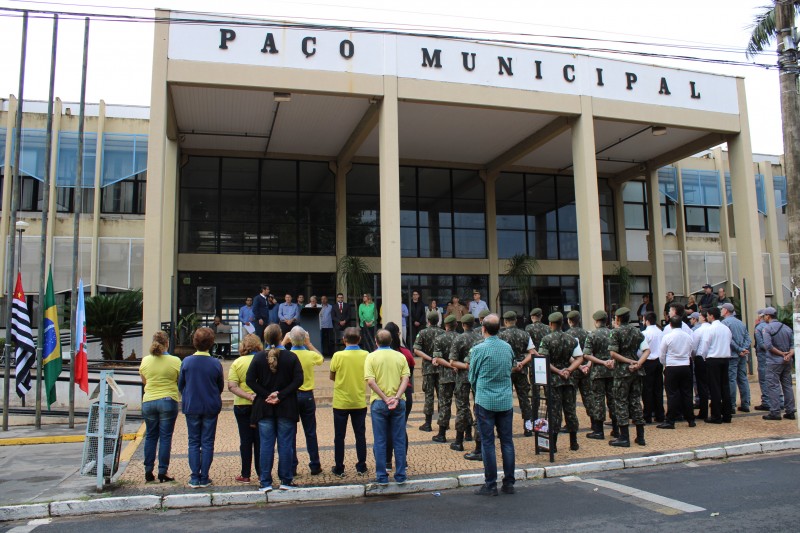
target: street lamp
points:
(21, 227)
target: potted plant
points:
(187, 325)
(110, 316)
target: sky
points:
(120, 53)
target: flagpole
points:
(76, 226)
(15, 194)
(45, 215)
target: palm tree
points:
(110, 317)
(354, 276)
(519, 270)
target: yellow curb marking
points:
(61, 439)
(131, 447)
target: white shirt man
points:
(715, 345)
(675, 351)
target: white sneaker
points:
(267, 488)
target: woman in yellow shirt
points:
(249, 442)
(159, 372)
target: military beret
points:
(536, 312)
(450, 319)
(600, 315)
(770, 311)
(510, 315)
(433, 315)
(728, 307)
(555, 317)
(484, 313)
(467, 319)
(572, 315)
(623, 311)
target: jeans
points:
(389, 441)
(307, 408)
(387, 422)
(282, 430)
(779, 380)
(503, 421)
(249, 441)
(202, 430)
(358, 419)
(159, 419)
(737, 374)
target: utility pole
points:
(788, 70)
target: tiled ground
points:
(425, 457)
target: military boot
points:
(614, 428)
(640, 435)
(427, 425)
(573, 441)
(597, 430)
(624, 440)
(458, 445)
(468, 434)
(476, 455)
(441, 437)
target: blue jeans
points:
(249, 442)
(737, 374)
(387, 422)
(503, 421)
(307, 408)
(159, 419)
(281, 430)
(358, 418)
(202, 430)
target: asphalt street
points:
(746, 494)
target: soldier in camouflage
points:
(447, 376)
(601, 377)
(625, 341)
(522, 345)
(565, 358)
(459, 360)
(537, 331)
(581, 376)
(423, 347)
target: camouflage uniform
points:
(459, 351)
(430, 374)
(519, 340)
(537, 332)
(447, 377)
(560, 346)
(601, 378)
(625, 340)
(582, 382)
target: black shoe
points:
(441, 436)
(148, 477)
(623, 441)
(457, 446)
(789, 416)
(649, 420)
(597, 431)
(640, 435)
(473, 456)
(316, 471)
(163, 478)
(427, 425)
(528, 433)
(336, 472)
(712, 420)
(665, 425)
(761, 407)
(772, 417)
(468, 435)
(486, 491)
(508, 489)
(744, 409)
(573, 441)
(692, 423)
(727, 421)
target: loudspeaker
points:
(206, 300)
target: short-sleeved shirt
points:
(308, 360)
(424, 342)
(238, 374)
(387, 367)
(491, 362)
(441, 348)
(627, 340)
(161, 373)
(459, 351)
(597, 345)
(348, 385)
(560, 347)
(519, 341)
(537, 332)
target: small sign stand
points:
(542, 426)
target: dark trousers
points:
(358, 419)
(327, 341)
(249, 441)
(701, 378)
(719, 388)
(653, 390)
(307, 408)
(678, 382)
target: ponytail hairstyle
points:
(160, 343)
(272, 337)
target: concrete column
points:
(341, 210)
(680, 215)
(588, 213)
(619, 223)
(748, 245)
(490, 181)
(11, 120)
(389, 161)
(169, 229)
(724, 221)
(98, 180)
(655, 250)
(773, 243)
(154, 249)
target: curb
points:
(346, 492)
(58, 439)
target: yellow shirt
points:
(161, 373)
(308, 360)
(238, 374)
(348, 386)
(387, 367)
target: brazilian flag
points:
(52, 343)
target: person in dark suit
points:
(340, 315)
(416, 317)
(261, 307)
